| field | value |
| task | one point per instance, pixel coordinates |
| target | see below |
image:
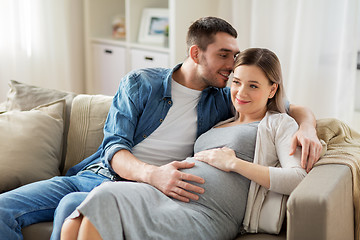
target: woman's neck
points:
(249, 118)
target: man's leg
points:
(37, 202)
(32, 203)
(66, 206)
(70, 202)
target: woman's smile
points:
(239, 101)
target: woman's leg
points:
(70, 228)
(79, 228)
(88, 231)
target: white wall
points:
(244, 11)
(357, 96)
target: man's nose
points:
(230, 63)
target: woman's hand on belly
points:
(221, 158)
(226, 160)
(174, 183)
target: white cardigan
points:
(272, 149)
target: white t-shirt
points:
(174, 139)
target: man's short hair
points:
(203, 30)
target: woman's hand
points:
(226, 160)
(222, 158)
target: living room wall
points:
(317, 43)
(42, 44)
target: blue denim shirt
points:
(139, 106)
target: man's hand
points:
(311, 147)
(169, 180)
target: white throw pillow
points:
(24, 97)
(30, 144)
(272, 213)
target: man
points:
(154, 120)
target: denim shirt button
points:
(144, 136)
(161, 120)
(169, 102)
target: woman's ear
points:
(273, 90)
(194, 53)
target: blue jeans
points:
(36, 202)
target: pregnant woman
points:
(252, 148)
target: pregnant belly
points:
(224, 192)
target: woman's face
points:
(250, 91)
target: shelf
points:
(123, 43)
(150, 47)
(109, 40)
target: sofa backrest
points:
(87, 118)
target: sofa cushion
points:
(30, 144)
(38, 231)
(87, 119)
(2, 107)
(24, 97)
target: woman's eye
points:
(253, 86)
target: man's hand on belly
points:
(174, 183)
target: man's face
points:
(217, 61)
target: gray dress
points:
(130, 210)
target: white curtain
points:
(41, 43)
(317, 43)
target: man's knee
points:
(70, 202)
(67, 205)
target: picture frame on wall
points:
(153, 26)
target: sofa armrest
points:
(321, 207)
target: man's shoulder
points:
(144, 78)
(148, 74)
(221, 93)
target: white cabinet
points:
(108, 67)
(98, 19)
(146, 59)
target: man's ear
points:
(194, 53)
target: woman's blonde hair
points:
(270, 65)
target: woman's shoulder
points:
(279, 119)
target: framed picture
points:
(154, 23)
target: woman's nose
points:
(241, 92)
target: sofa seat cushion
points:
(30, 144)
(38, 231)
